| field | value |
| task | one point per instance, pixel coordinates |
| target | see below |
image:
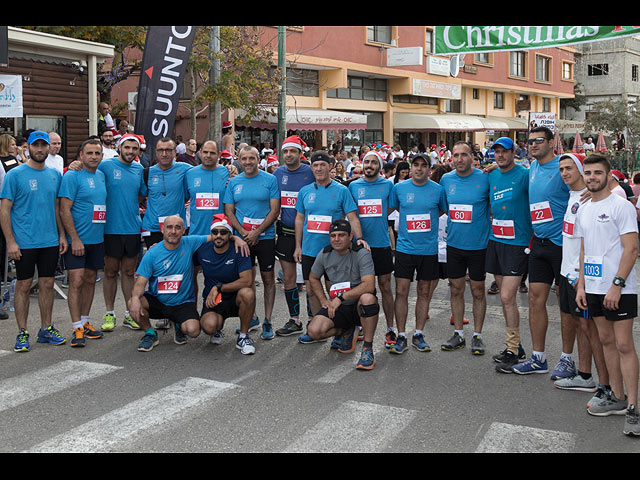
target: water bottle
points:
(12, 291)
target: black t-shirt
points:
(9, 162)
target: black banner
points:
(164, 63)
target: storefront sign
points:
(10, 96)
(540, 119)
(451, 40)
(439, 66)
(429, 88)
(402, 57)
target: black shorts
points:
(567, 296)
(152, 239)
(346, 316)
(177, 313)
(265, 253)
(285, 245)
(119, 246)
(459, 262)
(382, 260)
(627, 307)
(442, 270)
(425, 267)
(545, 261)
(93, 258)
(506, 260)
(45, 259)
(226, 308)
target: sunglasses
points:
(222, 232)
(538, 140)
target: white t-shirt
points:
(442, 238)
(601, 224)
(55, 161)
(570, 243)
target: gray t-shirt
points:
(344, 271)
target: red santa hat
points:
(131, 136)
(220, 220)
(272, 160)
(294, 141)
(372, 153)
(578, 160)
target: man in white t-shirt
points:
(54, 160)
(607, 287)
(576, 321)
(589, 146)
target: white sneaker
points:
(245, 345)
(217, 337)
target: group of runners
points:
(557, 222)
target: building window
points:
(543, 69)
(634, 73)
(428, 44)
(482, 58)
(476, 94)
(379, 35)
(518, 64)
(452, 106)
(415, 99)
(567, 71)
(360, 88)
(498, 100)
(546, 104)
(598, 69)
(303, 83)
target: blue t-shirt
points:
(170, 272)
(372, 199)
(548, 199)
(206, 191)
(125, 182)
(252, 197)
(290, 182)
(419, 208)
(220, 267)
(469, 210)
(88, 192)
(166, 195)
(33, 216)
(510, 206)
(320, 206)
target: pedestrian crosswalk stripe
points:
(45, 381)
(355, 427)
(507, 438)
(4, 352)
(122, 424)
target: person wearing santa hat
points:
(228, 141)
(228, 285)
(292, 176)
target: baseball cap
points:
(38, 135)
(504, 142)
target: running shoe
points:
(390, 338)
(477, 345)
(576, 383)
(267, 331)
(245, 345)
(609, 405)
(400, 346)
(149, 340)
(523, 288)
(420, 343)
(349, 341)
(216, 338)
(90, 332)
(290, 328)
(533, 365)
(179, 338)
(130, 323)
(108, 322)
(601, 393)
(499, 357)
(493, 289)
(50, 335)
(22, 342)
(509, 359)
(78, 338)
(306, 339)
(454, 343)
(632, 422)
(565, 368)
(367, 361)
(465, 321)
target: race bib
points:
(250, 224)
(339, 287)
(318, 223)
(99, 214)
(568, 225)
(207, 201)
(370, 208)
(540, 212)
(419, 223)
(593, 267)
(504, 229)
(461, 213)
(288, 199)
(169, 284)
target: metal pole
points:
(282, 104)
(215, 110)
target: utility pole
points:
(214, 78)
(282, 104)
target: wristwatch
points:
(619, 282)
(339, 296)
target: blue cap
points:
(38, 135)
(504, 142)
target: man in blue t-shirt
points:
(467, 193)
(252, 205)
(228, 286)
(292, 176)
(167, 268)
(83, 210)
(35, 236)
(510, 235)
(419, 202)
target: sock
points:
(389, 329)
(368, 345)
(150, 331)
(293, 301)
(417, 332)
(111, 312)
(566, 355)
(402, 334)
(585, 376)
(540, 356)
(460, 332)
(266, 320)
(77, 324)
(84, 318)
(476, 334)
(126, 313)
(242, 335)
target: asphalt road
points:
(289, 397)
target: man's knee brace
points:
(369, 310)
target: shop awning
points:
(415, 122)
(505, 123)
(312, 119)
